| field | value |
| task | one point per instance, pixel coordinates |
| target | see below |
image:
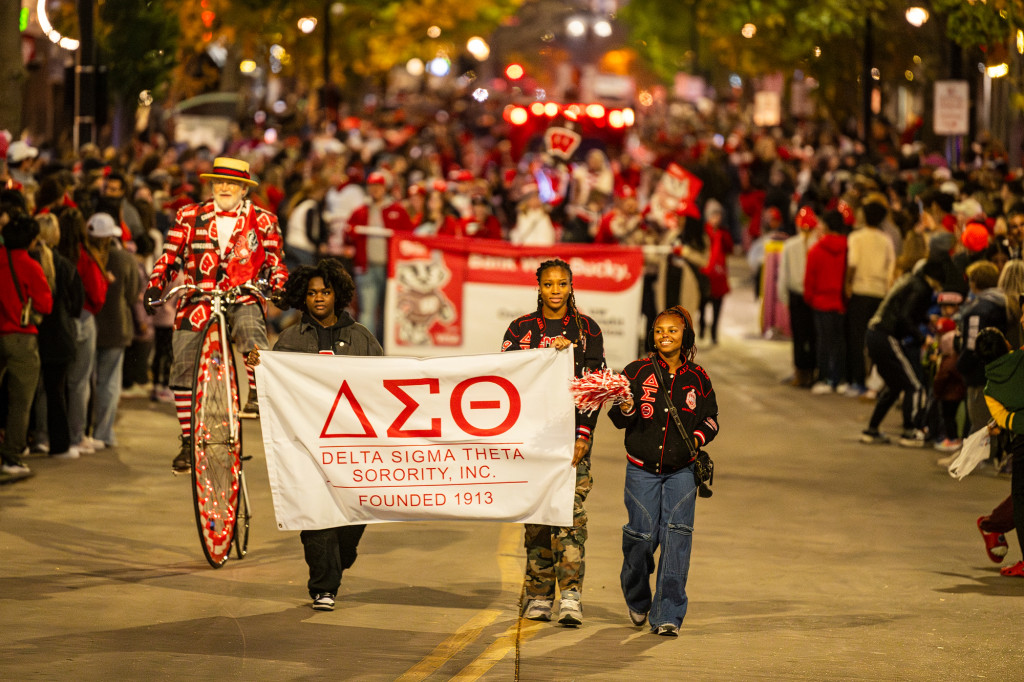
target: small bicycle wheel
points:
(216, 443)
(242, 518)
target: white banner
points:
(458, 296)
(371, 439)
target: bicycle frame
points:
(211, 523)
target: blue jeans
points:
(109, 368)
(371, 286)
(661, 510)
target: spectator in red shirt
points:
(824, 282)
(370, 248)
(21, 280)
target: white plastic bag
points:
(974, 451)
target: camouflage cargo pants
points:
(555, 554)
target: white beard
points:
(232, 207)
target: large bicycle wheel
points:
(216, 443)
(242, 518)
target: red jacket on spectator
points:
(93, 279)
(717, 269)
(395, 218)
(33, 285)
(825, 275)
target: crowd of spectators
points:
(852, 224)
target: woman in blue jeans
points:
(660, 490)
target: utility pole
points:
(85, 78)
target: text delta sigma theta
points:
(450, 457)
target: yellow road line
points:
(444, 651)
(511, 571)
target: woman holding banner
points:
(553, 554)
(322, 293)
(674, 404)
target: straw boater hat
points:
(225, 168)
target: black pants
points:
(329, 552)
(859, 310)
(716, 311)
(801, 323)
(163, 355)
(898, 369)
(55, 375)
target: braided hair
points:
(570, 302)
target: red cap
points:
(975, 237)
(376, 179)
(625, 192)
(806, 219)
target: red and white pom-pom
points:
(594, 390)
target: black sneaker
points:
(323, 601)
(252, 408)
(182, 464)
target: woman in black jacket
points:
(57, 334)
(660, 489)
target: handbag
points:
(703, 465)
(29, 317)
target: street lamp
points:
(917, 16)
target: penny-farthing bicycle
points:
(218, 482)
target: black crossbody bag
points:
(703, 466)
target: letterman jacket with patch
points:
(528, 332)
(653, 442)
(254, 251)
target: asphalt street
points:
(817, 558)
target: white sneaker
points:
(570, 612)
(537, 609)
(70, 453)
(821, 388)
(842, 388)
(15, 469)
(912, 439)
(83, 447)
(94, 443)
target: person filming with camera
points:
(672, 413)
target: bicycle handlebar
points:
(229, 296)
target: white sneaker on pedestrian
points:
(538, 609)
(912, 439)
(15, 468)
(842, 388)
(821, 388)
(94, 443)
(570, 611)
(83, 447)
(70, 453)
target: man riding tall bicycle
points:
(217, 244)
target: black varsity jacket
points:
(528, 332)
(653, 442)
